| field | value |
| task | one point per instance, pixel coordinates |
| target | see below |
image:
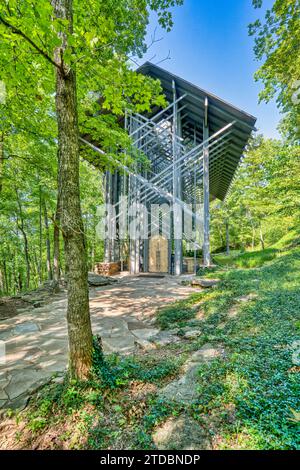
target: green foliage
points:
(290, 240)
(263, 203)
(206, 271)
(115, 371)
(100, 51)
(107, 86)
(29, 182)
(257, 379)
(174, 315)
(277, 43)
(251, 259)
(251, 400)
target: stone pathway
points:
(35, 341)
(182, 432)
(184, 389)
(235, 309)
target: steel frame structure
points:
(193, 148)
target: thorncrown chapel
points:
(192, 149)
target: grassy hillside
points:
(260, 378)
(249, 259)
(257, 258)
(250, 400)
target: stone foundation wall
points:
(107, 269)
(188, 264)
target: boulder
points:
(191, 333)
(95, 280)
(247, 298)
(207, 353)
(163, 338)
(205, 283)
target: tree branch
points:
(35, 46)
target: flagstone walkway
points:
(34, 346)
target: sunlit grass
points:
(249, 259)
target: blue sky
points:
(210, 47)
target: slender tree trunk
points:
(9, 270)
(262, 242)
(56, 236)
(1, 159)
(27, 260)
(26, 246)
(93, 242)
(56, 248)
(78, 316)
(40, 237)
(2, 288)
(227, 238)
(6, 287)
(14, 274)
(48, 245)
(35, 268)
(20, 283)
(221, 235)
(253, 237)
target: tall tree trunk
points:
(2, 287)
(40, 237)
(20, 283)
(93, 248)
(262, 242)
(48, 245)
(35, 268)
(14, 274)
(56, 236)
(227, 238)
(26, 246)
(221, 235)
(78, 316)
(6, 286)
(253, 237)
(56, 247)
(1, 159)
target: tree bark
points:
(78, 316)
(56, 247)
(227, 238)
(40, 237)
(56, 236)
(262, 242)
(48, 245)
(221, 235)
(6, 287)
(253, 237)
(26, 246)
(1, 159)
(2, 288)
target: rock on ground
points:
(184, 389)
(247, 298)
(205, 283)
(163, 338)
(181, 433)
(96, 280)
